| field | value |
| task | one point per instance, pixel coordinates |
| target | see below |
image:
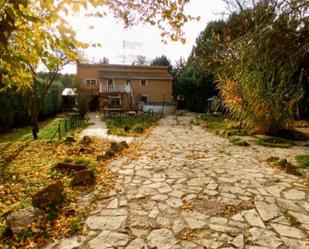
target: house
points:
(125, 87)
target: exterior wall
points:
(166, 109)
(154, 89)
(88, 73)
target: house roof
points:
(130, 71)
(121, 66)
(136, 75)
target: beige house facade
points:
(125, 87)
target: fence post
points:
(65, 126)
(59, 131)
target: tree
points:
(258, 75)
(140, 60)
(64, 50)
(66, 79)
(161, 61)
(193, 85)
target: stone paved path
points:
(193, 190)
(98, 129)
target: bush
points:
(130, 124)
(303, 161)
(13, 107)
(83, 101)
(237, 141)
(273, 142)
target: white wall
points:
(168, 109)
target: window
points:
(115, 101)
(144, 99)
(90, 82)
(143, 82)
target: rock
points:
(161, 238)
(253, 218)
(64, 166)
(295, 244)
(275, 190)
(238, 241)
(124, 144)
(289, 205)
(86, 150)
(154, 213)
(264, 237)
(288, 231)
(116, 147)
(237, 217)
(136, 244)
(50, 195)
(294, 194)
(105, 222)
(107, 155)
(114, 212)
(83, 177)
(70, 139)
(86, 140)
(113, 204)
(189, 245)
(194, 223)
(108, 239)
(21, 220)
(301, 218)
(71, 243)
(69, 212)
(179, 225)
(174, 202)
(267, 211)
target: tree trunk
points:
(34, 125)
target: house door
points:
(94, 103)
(144, 99)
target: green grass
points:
(130, 125)
(238, 142)
(220, 125)
(80, 160)
(303, 161)
(48, 130)
(273, 142)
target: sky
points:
(141, 39)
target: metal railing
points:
(115, 89)
(67, 124)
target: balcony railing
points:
(114, 88)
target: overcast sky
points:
(142, 39)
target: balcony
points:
(114, 88)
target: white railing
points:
(114, 88)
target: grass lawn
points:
(48, 130)
(274, 142)
(303, 161)
(220, 125)
(26, 166)
(130, 125)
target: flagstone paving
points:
(192, 189)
